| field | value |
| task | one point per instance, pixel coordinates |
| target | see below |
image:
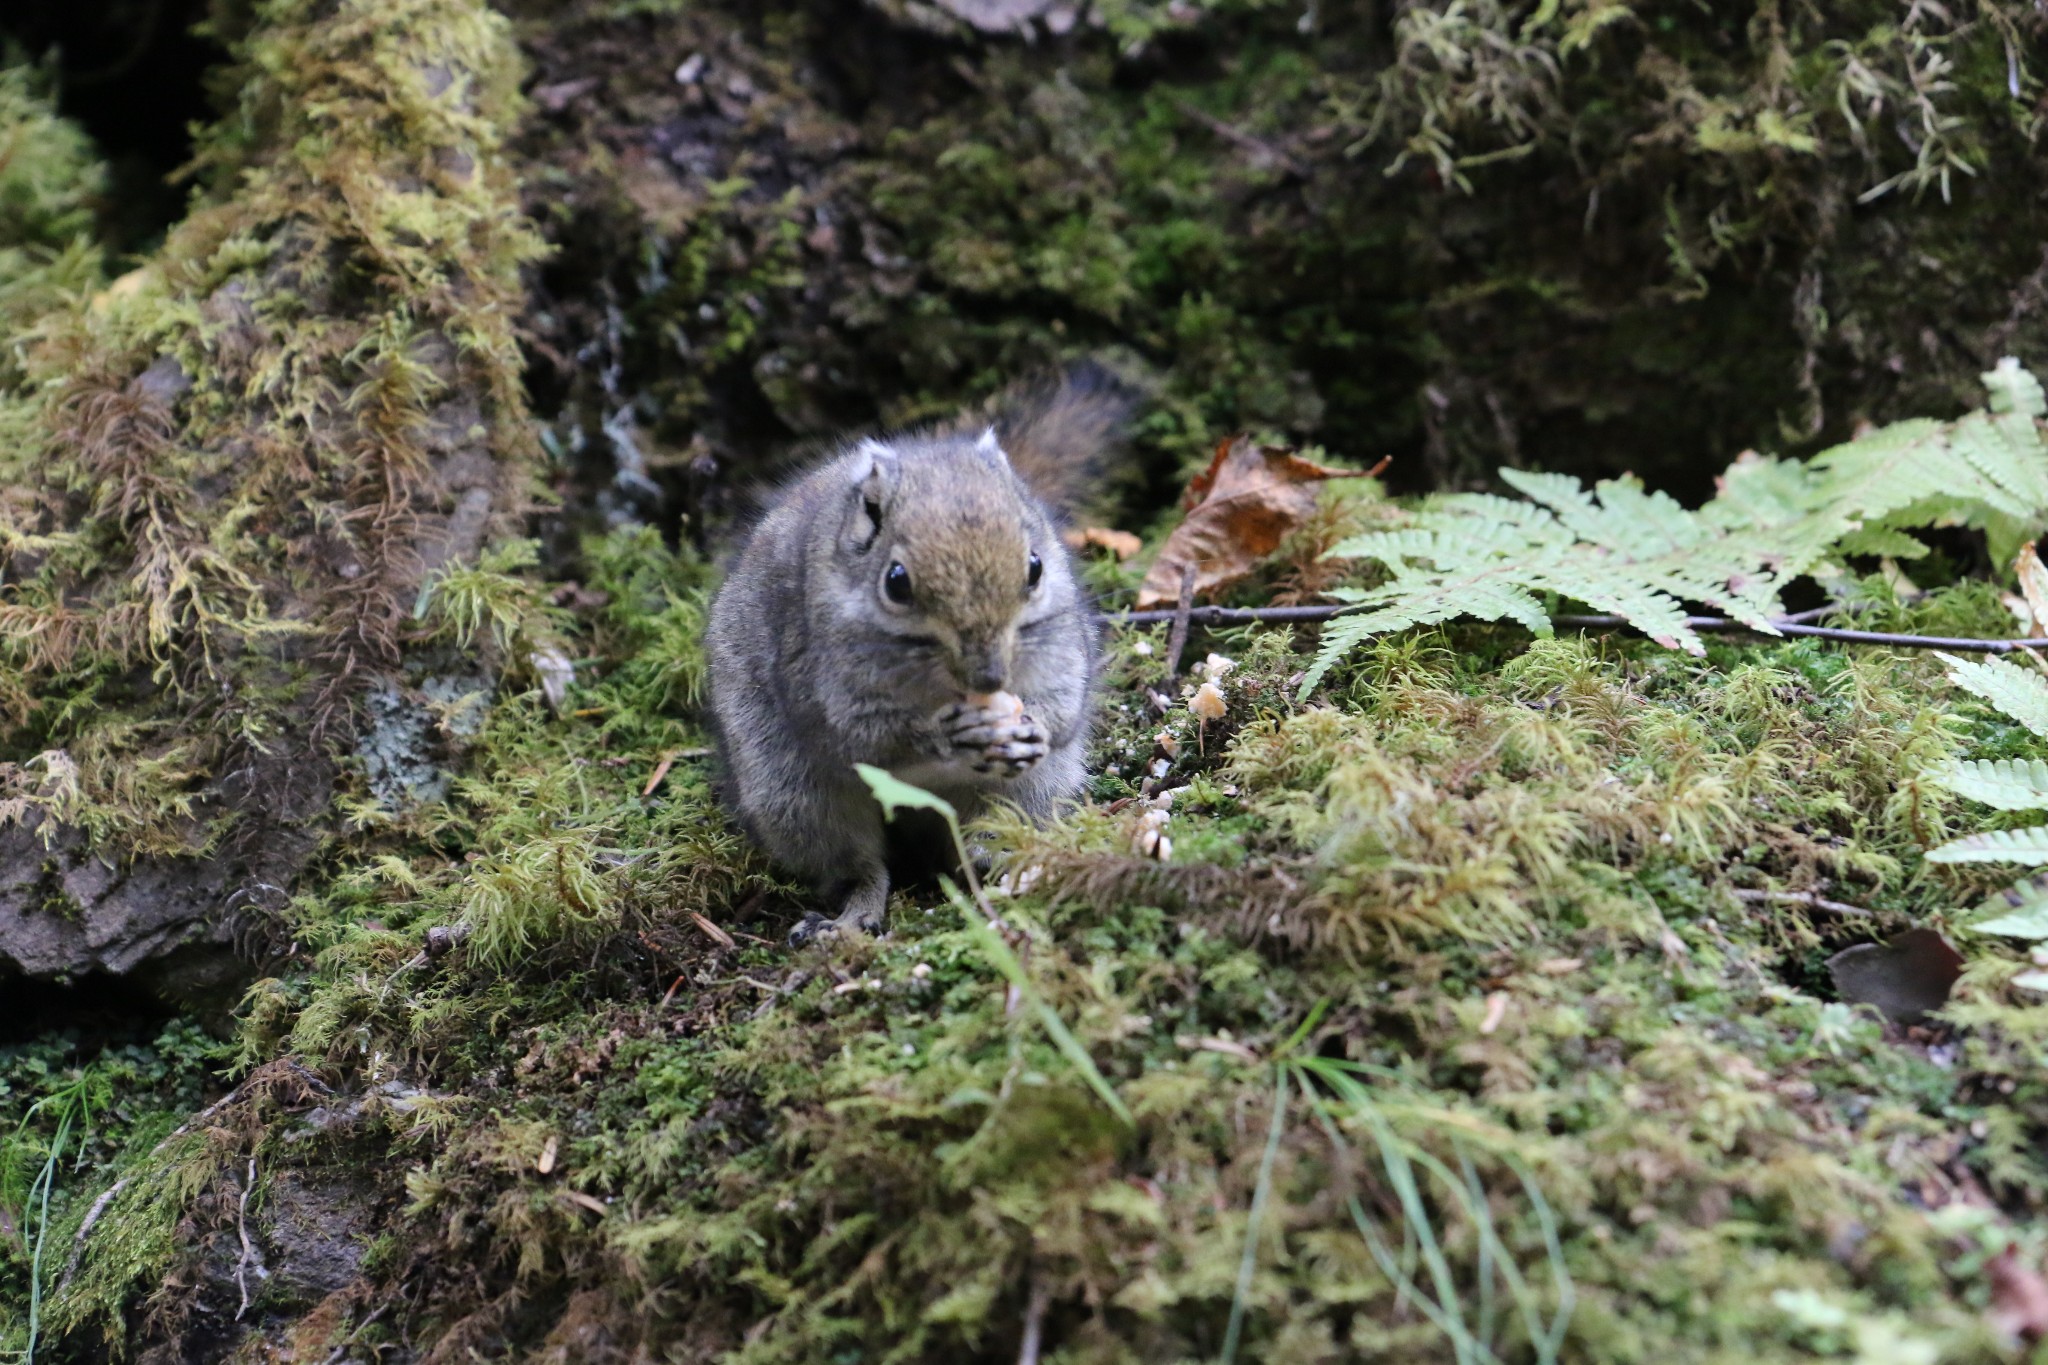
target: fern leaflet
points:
(2008, 784)
(2003, 783)
(2018, 692)
(2026, 912)
(2028, 845)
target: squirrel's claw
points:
(812, 927)
(866, 906)
(991, 741)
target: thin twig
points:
(1786, 625)
(242, 1230)
(1789, 626)
(1034, 1323)
(1257, 146)
(350, 1340)
(1177, 638)
(1229, 616)
(1877, 637)
(436, 944)
(99, 1205)
(1813, 900)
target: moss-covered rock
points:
(231, 473)
(1582, 237)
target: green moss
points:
(1498, 872)
(50, 186)
(224, 464)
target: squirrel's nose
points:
(982, 668)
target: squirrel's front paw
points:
(994, 735)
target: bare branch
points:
(1177, 638)
(1812, 900)
(1795, 625)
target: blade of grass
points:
(1398, 1270)
(1302, 1031)
(1248, 1264)
(894, 794)
(1553, 1250)
(1401, 1175)
(998, 952)
(1486, 1246)
(73, 1107)
(1464, 1188)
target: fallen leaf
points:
(713, 932)
(555, 672)
(1904, 978)
(660, 771)
(547, 1155)
(2033, 575)
(582, 1200)
(1238, 511)
(2019, 1297)
(1122, 544)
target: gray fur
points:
(813, 669)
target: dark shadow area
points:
(131, 72)
(104, 1008)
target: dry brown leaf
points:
(2019, 1297)
(1122, 544)
(1904, 978)
(585, 1201)
(2033, 575)
(713, 932)
(1239, 510)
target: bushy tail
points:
(1065, 434)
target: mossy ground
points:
(618, 1120)
(1497, 871)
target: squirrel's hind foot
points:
(865, 909)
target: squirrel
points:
(908, 603)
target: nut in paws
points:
(992, 734)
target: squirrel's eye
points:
(896, 585)
(1033, 572)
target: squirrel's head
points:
(946, 552)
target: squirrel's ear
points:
(874, 482)
(989, 445)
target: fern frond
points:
(1988, 469)
(1642, 556)
(2028, 845)
(2018, 692)
(1616, 547)
(2006, 783)
(2012, 389)
(2025, 908)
